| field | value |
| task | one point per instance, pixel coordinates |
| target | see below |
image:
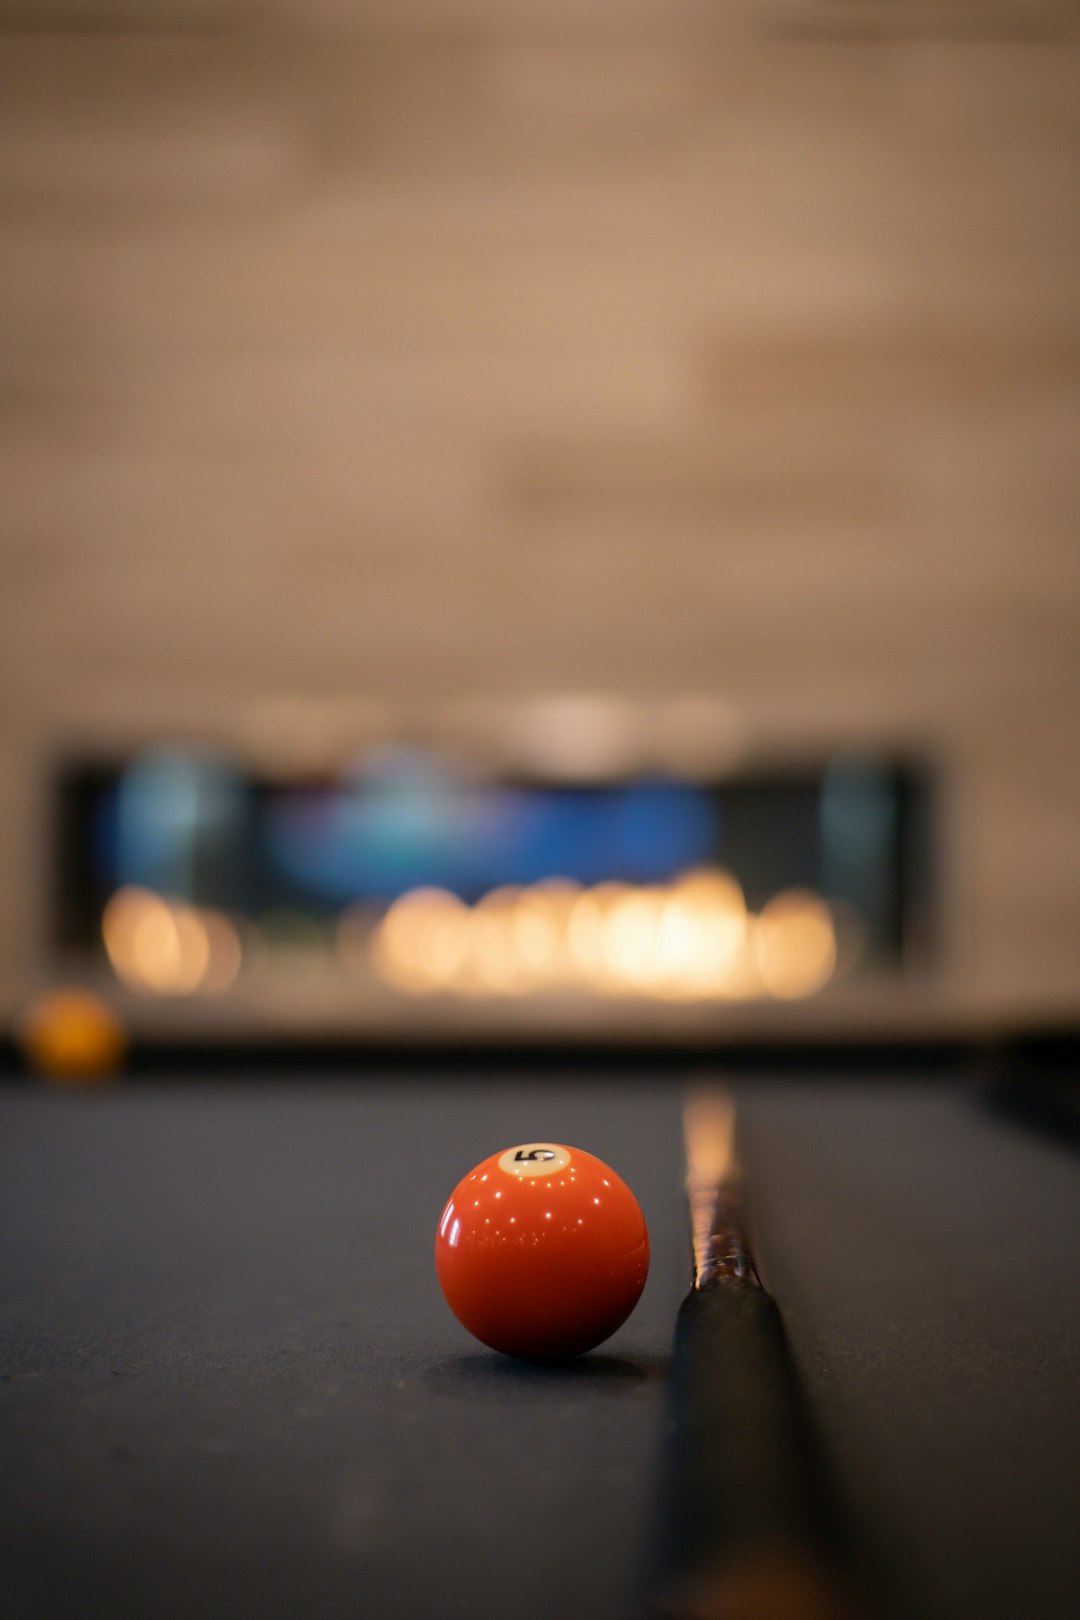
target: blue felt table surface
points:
(231, 1387)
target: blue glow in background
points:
(470, 840)
(395, 827)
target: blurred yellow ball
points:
(72, 1035)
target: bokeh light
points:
(165, 947)
(689, 940)
(795, 945)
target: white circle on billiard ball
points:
(534, 1159)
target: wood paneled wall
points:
(409, 350)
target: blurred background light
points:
(795, 945)
(404, 869)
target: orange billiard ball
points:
(72, 1035)
(542, 1251)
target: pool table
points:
(231, 1387)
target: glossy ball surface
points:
(542, 1251)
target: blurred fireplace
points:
(409, 884)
